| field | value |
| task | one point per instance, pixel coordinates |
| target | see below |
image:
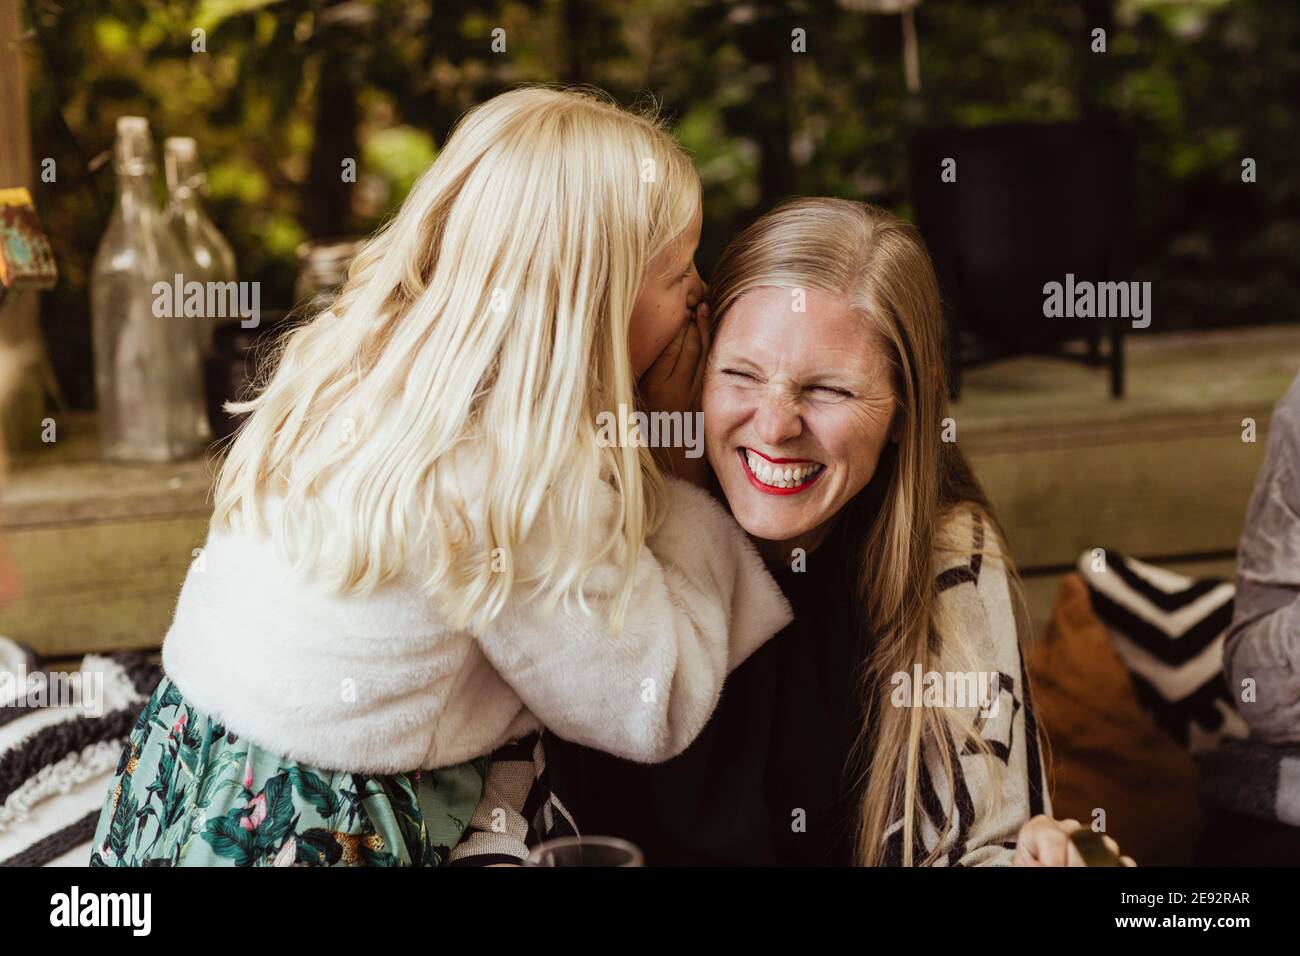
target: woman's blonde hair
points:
(492, 311)
(878, 264)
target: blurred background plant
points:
(286, 90)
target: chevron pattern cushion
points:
(1169, 630)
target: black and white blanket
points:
(56, 759)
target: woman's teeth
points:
(780, 476)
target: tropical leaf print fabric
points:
(189, 792)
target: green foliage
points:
(287, 88)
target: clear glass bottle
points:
(148, 371)
(322, 270)
(210, 257)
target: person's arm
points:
(996, 793)
(702, 603)
(1263, 643)
(1003, 809)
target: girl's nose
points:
(696, 290)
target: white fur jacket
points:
(378, 684)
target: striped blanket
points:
(56, 760)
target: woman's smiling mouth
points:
(778, 476)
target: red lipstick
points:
(768, 489)
(783, 461)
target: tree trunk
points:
(329, 198)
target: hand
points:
(1046, 842)
(674, 384)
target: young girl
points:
(421, 549)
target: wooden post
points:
(22, 395)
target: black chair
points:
(1031, 203)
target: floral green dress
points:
(188, 792)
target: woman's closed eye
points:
(825, 391)
(831, 391)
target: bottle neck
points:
(186, 180)
(133, 163)
(187, 205)
(135, 195)
(140, 184)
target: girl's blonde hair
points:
(491, 311)
(878, 264)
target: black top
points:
(778, 742)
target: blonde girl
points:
(421, 548)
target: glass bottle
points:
(148, 372)
(322, 270)
(210, 258)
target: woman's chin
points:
(761, 525)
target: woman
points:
(825, 404)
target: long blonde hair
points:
(491, 311)
(878, 264)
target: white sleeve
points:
(702, 603)
(1263, 642)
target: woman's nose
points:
(777, 419)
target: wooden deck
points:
(1162, 474)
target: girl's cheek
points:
(653, 327)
